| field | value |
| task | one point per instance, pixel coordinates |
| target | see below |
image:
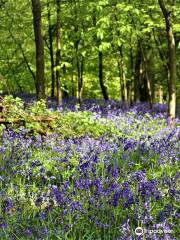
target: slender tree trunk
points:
(149, 87)
(25, 59)
(137, 74)
(14, 77)
(101, 81)
(120, 80)
(131, 94)
(51, 50)
(58, 54)
(78, 79)
(122, 76)
(121, 70)
(100, 59)
(40, 85)
(81, 80)
(73, 88)
(163, 57)
(172, 63)
(79, 57)
(129, 91)
(160, 93)
(80, 69)
(148, 81)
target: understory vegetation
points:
(95, 171)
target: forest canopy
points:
(124, 50)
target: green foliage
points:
(92, 25)
(39, 120)
(12, 107)
(38, 108)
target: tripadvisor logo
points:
(139, 231)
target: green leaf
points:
(100, 33)
(104, 46)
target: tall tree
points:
(122, 75)
(131, 32)
(58, 52)
(40, 85)
(51, 49)
(79, 43)
(98, 39)
(120, 61)
(137, 73)
(101, 80)
(146, 57)
(172, 61)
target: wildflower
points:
(28, 232)
(38, 201)
(44, 231)
(7, 205)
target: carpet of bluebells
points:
(89, 187)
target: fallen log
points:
(5, 121)
(28, 120)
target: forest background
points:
(124, 50)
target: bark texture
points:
(101, 81)
(51, 51)
(40, 85)
(171, 62)
(58, 53)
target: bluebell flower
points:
(115, 199)
(3, 224)
(44, 231)
(28, 232)
(42, 216)
(38, 201)
(7, 205)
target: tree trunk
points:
(79, 42)
(25, 59)
(137, 74)
(80, 69)
(148, 81)
(130, 94)
(163, 57)
(100, 58)
(58, 54)
(101, 82)
(40, 86)
(51, 50)
(120, 80)
(81, 79)
(149, 87)
(73, 88)
(160, 94)
(122, 75)
(171, 63)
